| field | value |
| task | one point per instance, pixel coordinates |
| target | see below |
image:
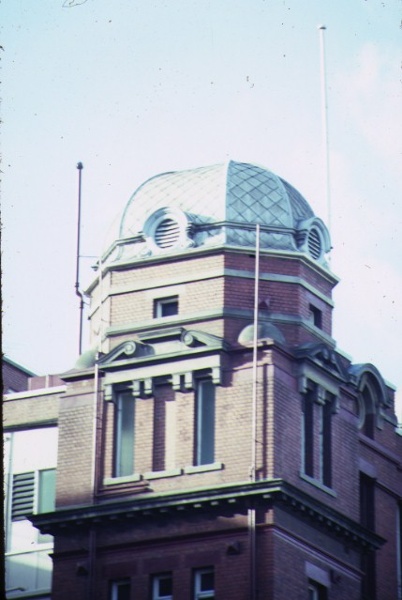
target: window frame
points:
(315, 315)
(320, 592)
(368, 402)
(156, 595)
(115, 585)
(123, 434)
(198, 593)
(205, 409)
(326, 441)
(367, 486)
(160, 305)
(316, 435)
(308, 445)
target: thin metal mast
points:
(251, 512)
(255, 342)
(324, 120)
(80, 166)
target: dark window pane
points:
(205, 434)
(124, 435)
(120, 590)
(166, 307)
(207, 581)
(309, 433)
(169, 308)
(165, 586)
(327, 444)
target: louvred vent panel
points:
(314, 244)
(23, 495)
(167, 233)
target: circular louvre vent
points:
(314, 244)
(167, 233)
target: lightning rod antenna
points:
(324, 120)
(80, 166)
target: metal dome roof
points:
(218, 205)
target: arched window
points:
(368, 408)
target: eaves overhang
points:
(144, 351)
(184, 254)
(320, 362)
(223, 499)
(154, 348)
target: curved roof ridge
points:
(220, 203)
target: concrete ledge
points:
(119, 480)
(162, 474)
(216, 466)
(318, 484)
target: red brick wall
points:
(199, 282)
(30, 411)
(13, 378)
(139, 562)
(183, 544)
(75, 460)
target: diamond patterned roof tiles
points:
(216, 206)
(235, 192)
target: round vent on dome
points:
(167, 233)
(314, 244)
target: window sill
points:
(163, 474)
(216, 466)
(318, 485)
(127, 479)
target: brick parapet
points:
(31, 409)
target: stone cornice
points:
(234, 498)
(187, 254)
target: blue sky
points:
(137, 87)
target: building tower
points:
(176, 477)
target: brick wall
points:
(14, 379)
(75, 460)
(21, 411)
(165, 440)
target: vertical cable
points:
(324, 121)
(255, 344)
(251, 512)
(80, 166)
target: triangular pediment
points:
(126, 351)
(322, 356)
(158, 344)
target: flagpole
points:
(80, 166)
(324, 121)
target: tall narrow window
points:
(124, 434)
(120, 590)
(367, 519)
(205, 423)
(326, 442)
(315, 316)
(369, 413)
(317, 434)
(316, 591)
(308, 431)
(162, 587)
(46, 490)
(46, 498)
(204, 584)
